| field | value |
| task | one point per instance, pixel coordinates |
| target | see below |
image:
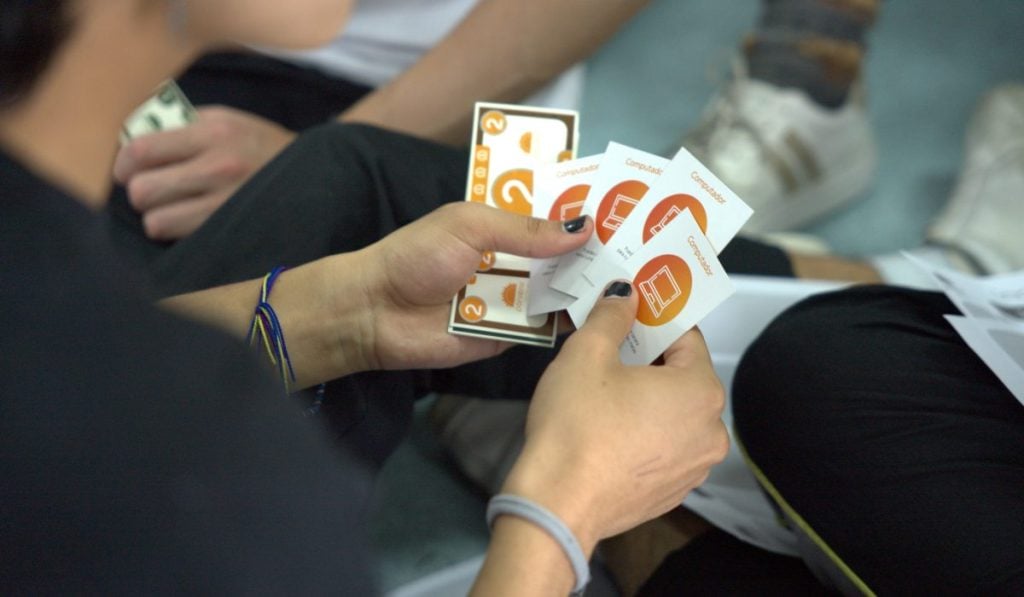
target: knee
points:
(346, 137)
(809, 371)
(367, 140)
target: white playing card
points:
(509, 143)
(559, 191)
(685, 185)
(621, 182)
(679, 281)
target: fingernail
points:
(618, 290)
(575, 225)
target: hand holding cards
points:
(659, 223)
(663, 234)
(679, 281)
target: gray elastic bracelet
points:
(523, 508)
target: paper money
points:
(509, 143)
(168, 109)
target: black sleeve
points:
(146, 462)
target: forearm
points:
(503, 51)
(323, 324)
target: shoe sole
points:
(817, 199)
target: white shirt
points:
(383, 38)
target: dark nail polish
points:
(618, 289)
(575, 225)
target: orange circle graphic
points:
(569, 204)
(526, 142)
(493, 122)
(664, 284)
(508, 295)
(668, 208)
(486, 261)
(616, 204)
(513, 191)
(473, 309)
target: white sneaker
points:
(792, 160)
(984, 219)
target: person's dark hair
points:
(31, 32)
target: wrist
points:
(538, 559)
(347, 292)
(323, 312)
(560, 490)
(510, 506)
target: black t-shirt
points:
(140, 453)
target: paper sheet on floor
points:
(992, 320)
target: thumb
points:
(488, 229)
(613, 314)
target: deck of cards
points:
(510, 143)
(659, 223)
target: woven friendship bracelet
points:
(515, 505)
(266, 330)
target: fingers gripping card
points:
(679, 281)
(559, 192)
(509, 144)
(620, 184)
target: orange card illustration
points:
(560, 191)
(685, 185)
(679, 280)
(620, 184)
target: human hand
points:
(413, 273)
(177, 178)
(610, 446)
